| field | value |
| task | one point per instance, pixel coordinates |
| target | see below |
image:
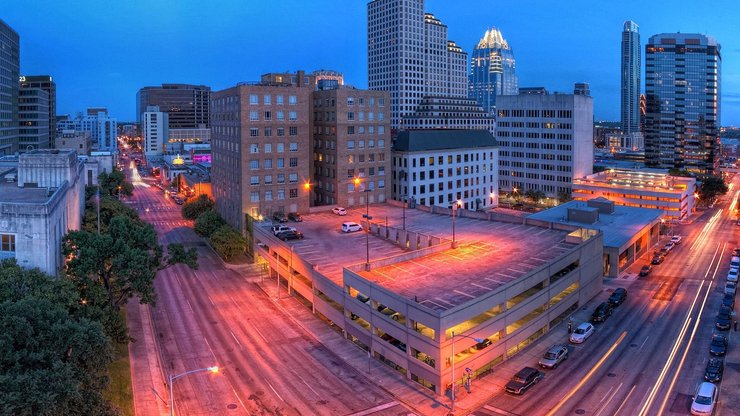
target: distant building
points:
(155, 125)
(79, 141)
(178, 139)
(440, 167)
(460, 113)
(492, 70)
(33, 119)
(545, 141)
(9, 87)
(682, 89)
(41, 199)
(582, 88)
(352, 147)
(46, 83)
(327, 79)
(187, 105)
(631, 68)
(103, 129)
(674, 195)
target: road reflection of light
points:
(589, 375)
(704, 233)
(136, 178)
(687, 321)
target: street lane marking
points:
(375, 409)
(643, 342)
(499, 411)
(625, 399)
(209, 348)
(610, 398)
(588, 375)
(235, 339)
(238, 398)
(275, 391)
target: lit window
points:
(292, 100)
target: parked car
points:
(714, 370)
(676, 239)
(718, 346)
(582, 332)
(178, 200)
(730, 288)
(339, 211)
(388, 312)
(554, 356)
(618, 296)
(657, 259)
(277, 229)
(294, 216)
(486, 342)
(704, 399)
(603, 311)
(735, 262)
(350, 227)
(646, 270)
(723, 320)
(736, 251)
(729, 301)
(290, 235)
(279, 217)
(669, 246)
(732, 275)
(524, 379)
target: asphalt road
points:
(216, 316)
(650, 355)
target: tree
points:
(680, 172)
(109, 207)
(208, 222)
(564, 196)
(535, 195)
(114, 183)
(193, 209)
(711, 186)
(227, 242)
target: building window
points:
(280, 147)
(7, 246)
(254, 116)
(293, 147)
(268, 164)
(255, 196)
(255, 180)
(279, 99)
(381, 170)
(281, 194)
(254, 164)
(293, 162)
(350, 187)
(294, 193)
(268, 132)
(350, 116)
(254, 99)
(281, 115)
(381, 184)
(350, 144)
(267, 99)
(281, 178)
(292, 115)
(268, 147)
(268, 195)
(293, 178)
(292, 100)
(381, 130)
(361, 144)
(350, 100)
(280, 132)
(268, 181)
(268, 115)
(280, 163)
(254, 148)
(254, 132)
(350, 173)
(381, 102)
(350, 129)
(293, 131)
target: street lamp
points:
(367, 232)
(405, 201)
(455, 207)
(452, 389)
(172, 379)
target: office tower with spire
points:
(492, 70)
(630, 78)
(682, 90)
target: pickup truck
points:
(277, 229)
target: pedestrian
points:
(570, 327)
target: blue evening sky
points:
(101, 52)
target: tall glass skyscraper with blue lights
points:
(630, 78)
(492, 70)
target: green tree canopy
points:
(114, 183)
(711, 187)
(208, 222)
(193, 209)
(227, 242)
(109, 207)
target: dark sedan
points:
(728, 301)
(715, 368)
(618, 296)
(718, 345)
(290, 235)
(723, 320)
(645, 270)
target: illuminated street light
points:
(455, 207)
(367, 232)
(452, 389)
(172, 379)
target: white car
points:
(730, 288)
(669, 246)
(676, 239)
(582, 332)
(732, 275)
(704, 399)
(339, 211)
(350, 227)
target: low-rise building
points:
(79, 141)
(440, 167)
(646, 188)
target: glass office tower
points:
(630, 78)
(492, 70)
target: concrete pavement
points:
(150, 392)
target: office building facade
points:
(444, 112)
(630, 72)
(103, 129)
(9, 73)
(155, 124)
(187, 105)
(545, 141)
(33, 119)
(682, 89)
(351, 147)
(492, 70)
(46, 83)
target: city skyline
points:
(547, 55)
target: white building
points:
(439, 167)
(545, 140)
(41, 198)
(103, 129)
(179, 139)
(156, 130)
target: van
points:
(349, 227)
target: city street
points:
(216, 316)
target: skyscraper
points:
(492, 70)
(46, 83)
(33, 119)
(682, 89)
(187, 105)
(9, 72)
(410, 56)
(630, 78)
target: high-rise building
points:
(682, 90)
(33, 119)
(444, 112)
(410, 56)
(103, 128)
(155, 124)
(9, 73)
(187, 105)
(492, 70)
(545, 141)
(46, 83)
(630, 78)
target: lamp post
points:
(455, 207)
(367, 232)
(172, 379)
(404, 198)
(452, 389)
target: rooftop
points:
(644, 179)
(10, 193)
(441, 139)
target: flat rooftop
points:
(489, 253)
(10, 193)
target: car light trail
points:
(704, 233)
(588, 376)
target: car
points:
(277, 229)
(178, 200)
(723, 319)
(676, 239)
(524, 379)
(339, 211)
(582, 332)
(290, 235)
(669, 246)
(730, 288)
(729, 301)
(657, 259)
(350, 227)
(483, 344)
(388, 312)
(279, 217)
(296, 217)
(738, 222)
(603, 311)
(735, 262)
(554, 356)
(714, 370)
(736, 251)
(704, 399)
(618, 296)
(718, 346)
(646, 270)
(732, 275)
(663, 251)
